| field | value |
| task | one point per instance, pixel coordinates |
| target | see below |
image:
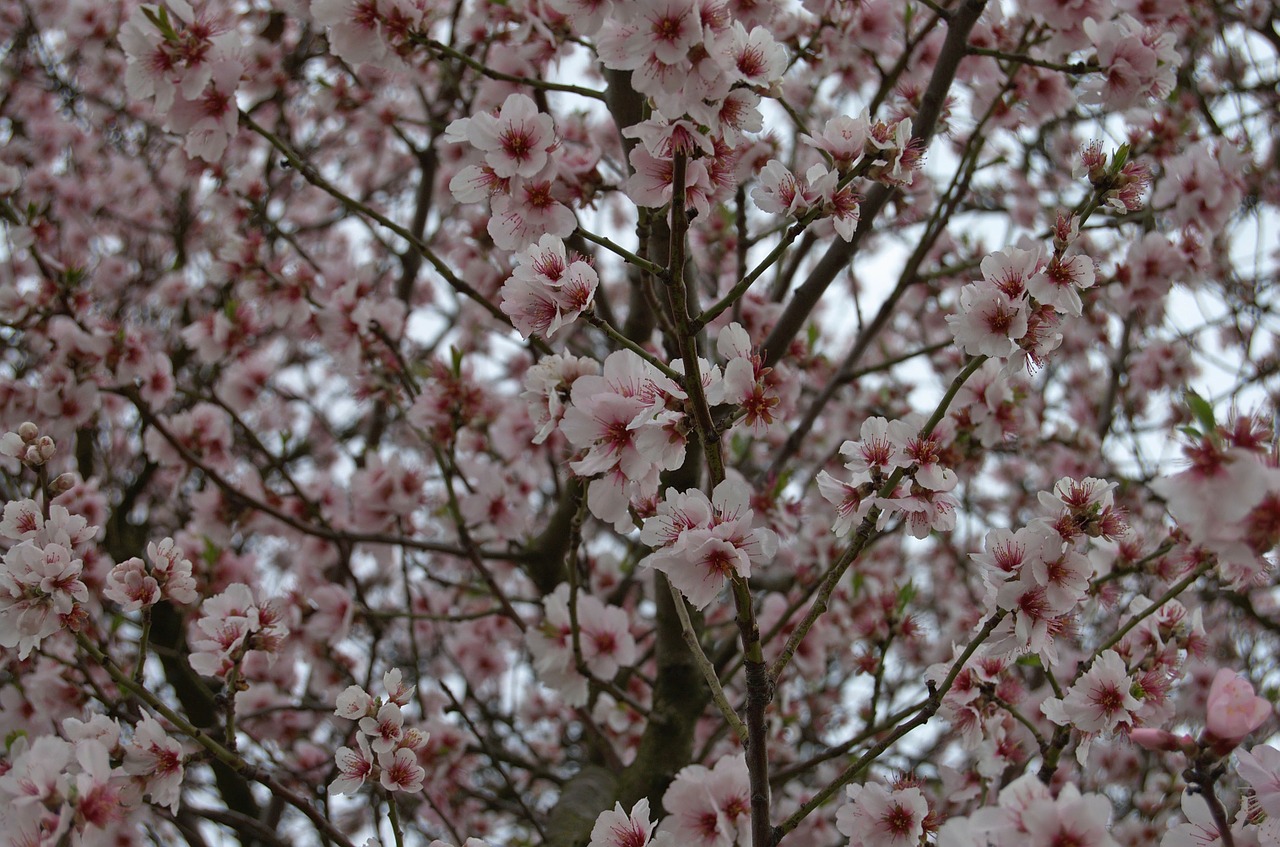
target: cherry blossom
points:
(365, 361)
(1233, 710)
(702, 541)
(618, 828)
(875, 815)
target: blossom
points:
(354, 767)
(604, 639)
(547, 386)
(1260, 767)
(131, 586)
(400, 770)
(876, 816)
(527, 212)
(1010, 269)
(701, 542)
(39, 587)
(782, 192)
(22, 520)
(516, 142)
(1138, 63)
(1099, 701)
(622, 421)
(617, 828)
(710, 807)
(755, 57)
(158, 759)
(1233, 710)
(1057, 283)
(853, 500)
(231, 624)
(546, 291)
(843, 138)
(875, 452)
(989, 322)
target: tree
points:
(699, 422)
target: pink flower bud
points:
(1234, 710)
(28, 431)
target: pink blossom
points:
(527, 212)
(853, 500)
(546, 290)
(988, 322)
(1099, 701)
(22, 520)
(1233, 710)
(547, 386)
(386, 727)
(231, 624)
(708, 806)
(701, 542)
(354, 767)
(843, 138)
(158, 759)
(1137, 63)
(1056, 285)
(131, 586)
(516, 142)
(879, 817)
(400, 770)
(1260, 767)
(617, 828)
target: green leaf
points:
(1202, 410)
(12, 738)
(906, 594)
(1121, 156)
(159, 16)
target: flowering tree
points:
(628, 422)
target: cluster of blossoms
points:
(604, 640)
(28, 446)
(704, 74)
(189, 66)
(1139, 63)
(1015, 307)
(136, 585)
(631, 421)
(709, 807)
(921, 498)
(1228, 501)
(1232, 712)
(547, 290)
(701, 542)
(521, 160)
(1028, 813)
(232, 624)
(41, 590)
(1039, 574)
(386, 750)
(884, 152)
(84, 785)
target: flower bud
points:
(63, 483)
(28, 431)
(1233, 711)
(46, 447)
